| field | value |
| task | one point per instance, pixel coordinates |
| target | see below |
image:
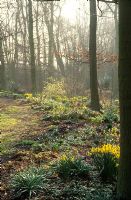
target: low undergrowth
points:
(74, 151)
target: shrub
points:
(106, 159)
(70, 167)
(54, 88)
(28, 182)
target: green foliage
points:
(107, 165)
(112, 136)
(75, 190)
(26, 142)
(10, 94)
(58, 106)
(36, 147)
(110, 115)
(89, 130)
(28, 182)
(52, 134)
(97, 119)
(78, 190)
(55, 146)
(70, 167)
(69, 109)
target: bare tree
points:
(2, 63)
(31, 46)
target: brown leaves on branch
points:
(83, 57)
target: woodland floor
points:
(22, 131)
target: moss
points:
(13, 109)
(7, 122)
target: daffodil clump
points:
(106, 149)
(71, 167)
(106, 159)
(64, 157)
(28, 95)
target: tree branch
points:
(108, 1)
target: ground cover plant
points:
(58, 148)
(70, 167)
(28, 182)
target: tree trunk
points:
(2, 67)
(95, 105)
(31, 46)
(49, 21)
(124, 178)
(116, 29)
(39, 70)
(24, 39)
(51, 39)
(14, 63)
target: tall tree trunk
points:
(2, 67)
(51, 39)
(39, 74)
(31, 46)
(116, 41)
(124, 179)
(95, 105)
(14, 63)
(115, 81)
(116, 29)
(49, 21)
(24, 39)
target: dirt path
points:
(17, 121)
